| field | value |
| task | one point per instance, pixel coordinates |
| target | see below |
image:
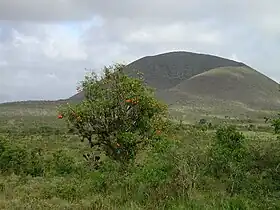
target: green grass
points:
(42, 167)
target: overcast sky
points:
(45, 45)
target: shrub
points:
(275, 123)
(229, 158)
(14, 159)
(63, 163)
(119, 114)
(265, 168)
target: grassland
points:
(42, 167)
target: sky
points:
(47, 46)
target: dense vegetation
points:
(44, 165)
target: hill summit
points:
(186, 78)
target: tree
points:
(119, 114)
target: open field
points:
(42, 167)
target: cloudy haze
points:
(45, 45)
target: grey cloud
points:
(42, 63)
(44, 10)
(56, 10)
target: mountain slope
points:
(190, 78)
(240, 84)
(166, 70)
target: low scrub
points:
(144, 161)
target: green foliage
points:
(63, 163)
(22, 161)
(119, 115)
(265, 165)
(229, 157)
(14, 159)
(168, 174)
(275, 123)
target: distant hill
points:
(186, 78)
(167, 70)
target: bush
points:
(275, 123)
(229, 158)
(119, 114)
(14, 159)
(265, 168)
(63, 164)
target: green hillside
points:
(167, 70)
(195, 82)
(236, 84)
